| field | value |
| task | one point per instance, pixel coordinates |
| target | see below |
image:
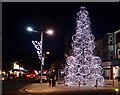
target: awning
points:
(116, 62)
(109, 63)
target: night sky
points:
(61, 17)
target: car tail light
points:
(34, 75)
(15, 76)
(28, 75)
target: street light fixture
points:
(50, 32)
(47, 52)
(30, 29)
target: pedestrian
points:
(53, 78)
(50, 78)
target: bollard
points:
(50, 83)
(78, 83)
(96, 84)
(64, 82)
(113, 82)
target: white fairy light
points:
(83, 66)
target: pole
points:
(41, 55)
(41, 51)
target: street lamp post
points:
(42, 57)
(50, 32)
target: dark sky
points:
(61, 17)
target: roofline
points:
(118, 31)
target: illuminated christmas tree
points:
(83, 67)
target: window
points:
(110, 55)
(110, 39)
(110, 47)
(118, 37)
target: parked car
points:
(11, 76)
(44, 77)
(31, 76)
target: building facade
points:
(108, 48)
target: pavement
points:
(44, 87)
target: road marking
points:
(23, 88)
